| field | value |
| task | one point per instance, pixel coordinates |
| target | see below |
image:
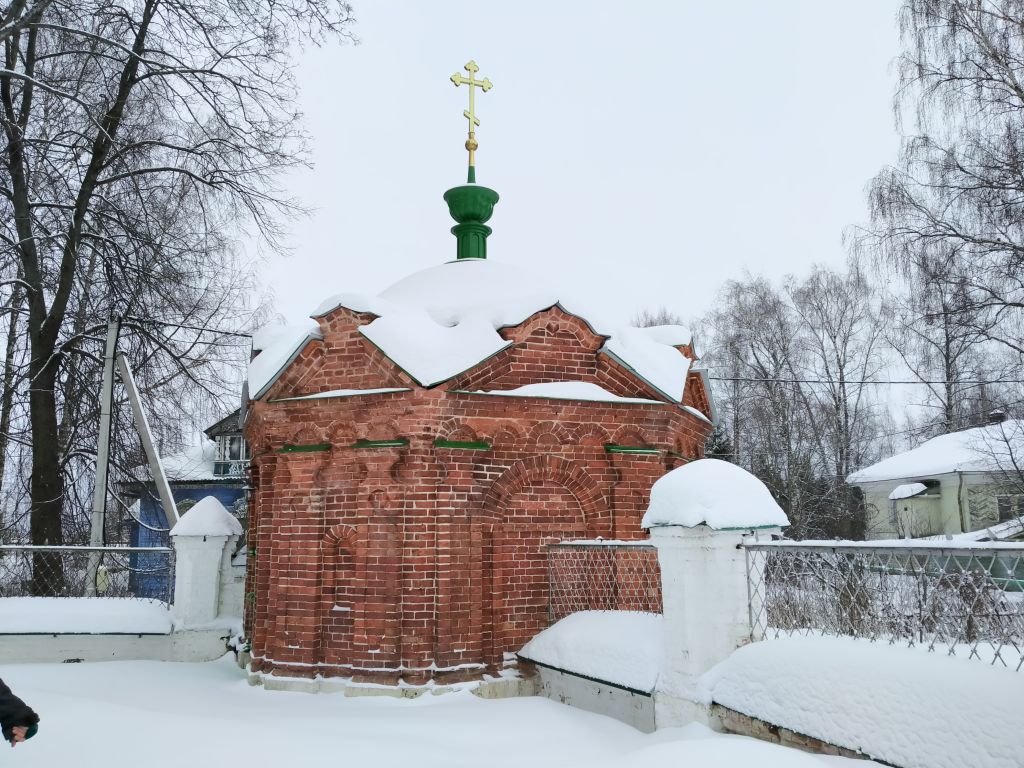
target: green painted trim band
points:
(396, 443)
(642, 450)
(313, 448)
(466, 445)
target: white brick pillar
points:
(203, 540)
(705, 610)
(197, 577)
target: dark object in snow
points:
(14, 712)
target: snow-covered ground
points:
(160, 714)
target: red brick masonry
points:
(426, 560)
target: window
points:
(1010, 506)
(230, 448)
(231, 456)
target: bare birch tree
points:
(790, 371)
(957, 192)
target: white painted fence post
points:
(203, 543)
(698, 517)
(705, 610)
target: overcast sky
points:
(645, 152)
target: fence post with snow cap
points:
(203, 540)
(698, 518)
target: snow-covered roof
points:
(336, 393)
(567, 390)
(444, 320)
(193, 464)
(278, 345)
(991, 448)
(690, 409)
(1004, 531)
(907, 490)
(620, 647)
(714, 493)
(207, 517)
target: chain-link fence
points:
(145, 573)
(961, 601)
(602, 576)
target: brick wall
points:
(423, 561)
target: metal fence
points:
(960, 601)
(602, 576)
(145, 573)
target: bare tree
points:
(17, 15)
(646, 318)
(956, 196)
(841, 335)
(791, 369)
(138, 137)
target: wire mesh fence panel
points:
(598, 576)
(965, 602)
(144, 573)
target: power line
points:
(965, 382)
(165, 324)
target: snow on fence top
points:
(713, 492)
(207, 518)
(442, 321)
(912, 709)
(83, 615)
(983, 449)
(618, 647)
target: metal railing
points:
(602, 576)
(962, 601)
(144, 573)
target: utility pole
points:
(99, 496)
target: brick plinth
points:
(425, 559)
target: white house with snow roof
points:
(955, 484)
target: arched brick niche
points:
(536, 502)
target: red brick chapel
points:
(414, 451)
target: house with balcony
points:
(214, 467)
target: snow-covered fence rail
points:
(964, 600)
(602, 576)
(145, 573)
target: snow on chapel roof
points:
(715, 493)
(444, 320)
(991, 448)
(277, 345)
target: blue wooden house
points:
(215, 468)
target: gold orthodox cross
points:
(485, 85)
